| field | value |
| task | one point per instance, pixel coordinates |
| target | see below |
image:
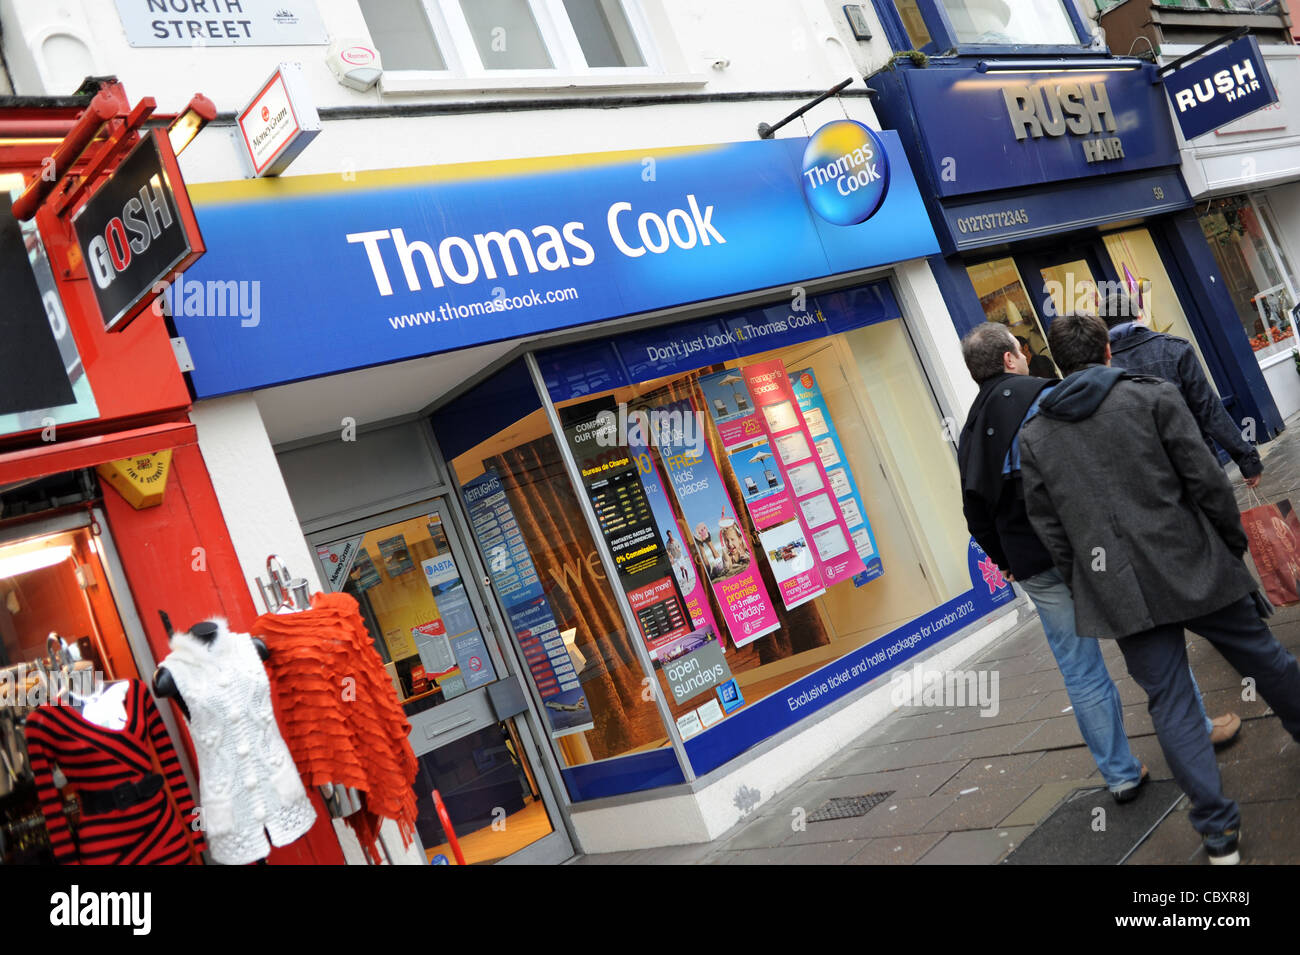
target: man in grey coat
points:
(1142, 524)
(1138, 349)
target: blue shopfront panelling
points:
(782, 709)
(588, 368)
(626, 774)
(1068, 207)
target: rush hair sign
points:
(1221, 87)
(137, 230)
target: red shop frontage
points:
(108, 517)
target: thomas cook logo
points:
(845, 172)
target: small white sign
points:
(202, 23)
(278, 122)
(337, 560)
(440, 570)
(710, 713)
(688, 724)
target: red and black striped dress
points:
(95, 758)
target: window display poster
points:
(677, 545)
(731, 408)
(613, 484)
(830, 451)
(762, 485)
(792, 563)
(825, 531)
(718, 541)
(515, 578)
(364, 571)
(396, 556)
(461, 629)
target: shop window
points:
(423, 628)
(1256, 271)
(503, 38)
(913, 23)
(1004, 22)
(1003, 297)
(727, 528)
(1134, 256)
(403, 34)
(506, 35)
(59, 630)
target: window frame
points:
(465, 68)
(944, 41)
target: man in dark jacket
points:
(989, 459)
(1142, 524)
(1137, 349)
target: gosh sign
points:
(136, 231)
(845, 172)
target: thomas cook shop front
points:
(700, 493)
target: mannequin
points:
(249, 787)
(163, 684)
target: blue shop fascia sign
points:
(309, 276)
(1009, 151)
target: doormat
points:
(1076, 834)
(846, 807)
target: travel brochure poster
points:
(731, 408)
(826, 541)
(677, 545)
(396, 556)
(613, 485)
(762, 485)
(830, 451)
(719, 542)
(554, 671)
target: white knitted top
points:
(248, 784)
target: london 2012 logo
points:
(845, 172)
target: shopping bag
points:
(1273, 530)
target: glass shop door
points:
(421, 602)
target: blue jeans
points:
(1088, 683)
(1157, 660)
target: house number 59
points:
(1158, 191)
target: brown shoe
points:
(1226, 730)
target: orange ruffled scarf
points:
(342, 720)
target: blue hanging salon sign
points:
(1220, 87)
(313, 275)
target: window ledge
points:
(1276, 358)
(405, 82)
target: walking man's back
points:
(1141, 351)
(1141, 522)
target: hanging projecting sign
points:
(845, 172)
(1220, 87)
(221, 22)
(279, 122)
(137, 230)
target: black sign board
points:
(135, 231)
(613, 484)
(32, 374)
